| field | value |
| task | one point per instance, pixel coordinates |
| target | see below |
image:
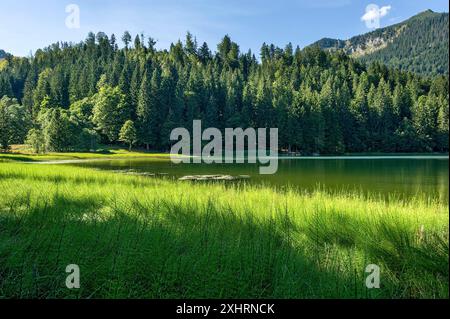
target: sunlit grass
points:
(24, 154)
(141, 237)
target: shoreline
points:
(104, 220)
(119, 154)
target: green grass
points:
(22, 153)
(140, 237)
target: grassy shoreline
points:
(23, 155)
(139, 237)
(107, 154)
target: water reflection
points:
(399, 176)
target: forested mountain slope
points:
(67, 97)
(419, 44)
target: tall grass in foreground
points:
(138, 237)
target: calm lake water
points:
(402, 176)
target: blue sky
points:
(28, 25)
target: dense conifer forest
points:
(74, 96)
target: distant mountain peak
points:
(426, 12)
(419, 44)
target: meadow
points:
(22, 153)
(146, 237)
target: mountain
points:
(2, 54)
(419, 44)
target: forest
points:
(70, 97)
(418, 44)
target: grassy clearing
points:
(25, 155)
(138, 237)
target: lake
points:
(402, 176)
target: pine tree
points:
(173, 119)
(5, 124)
(42, 91)
(147, 110)
(204, 53)
(57, 130)
(30, 83)
(126, 38)
(135, 86)
(333, 140)
(5, 86)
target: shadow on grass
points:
(158, 250)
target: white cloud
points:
(375, 13)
